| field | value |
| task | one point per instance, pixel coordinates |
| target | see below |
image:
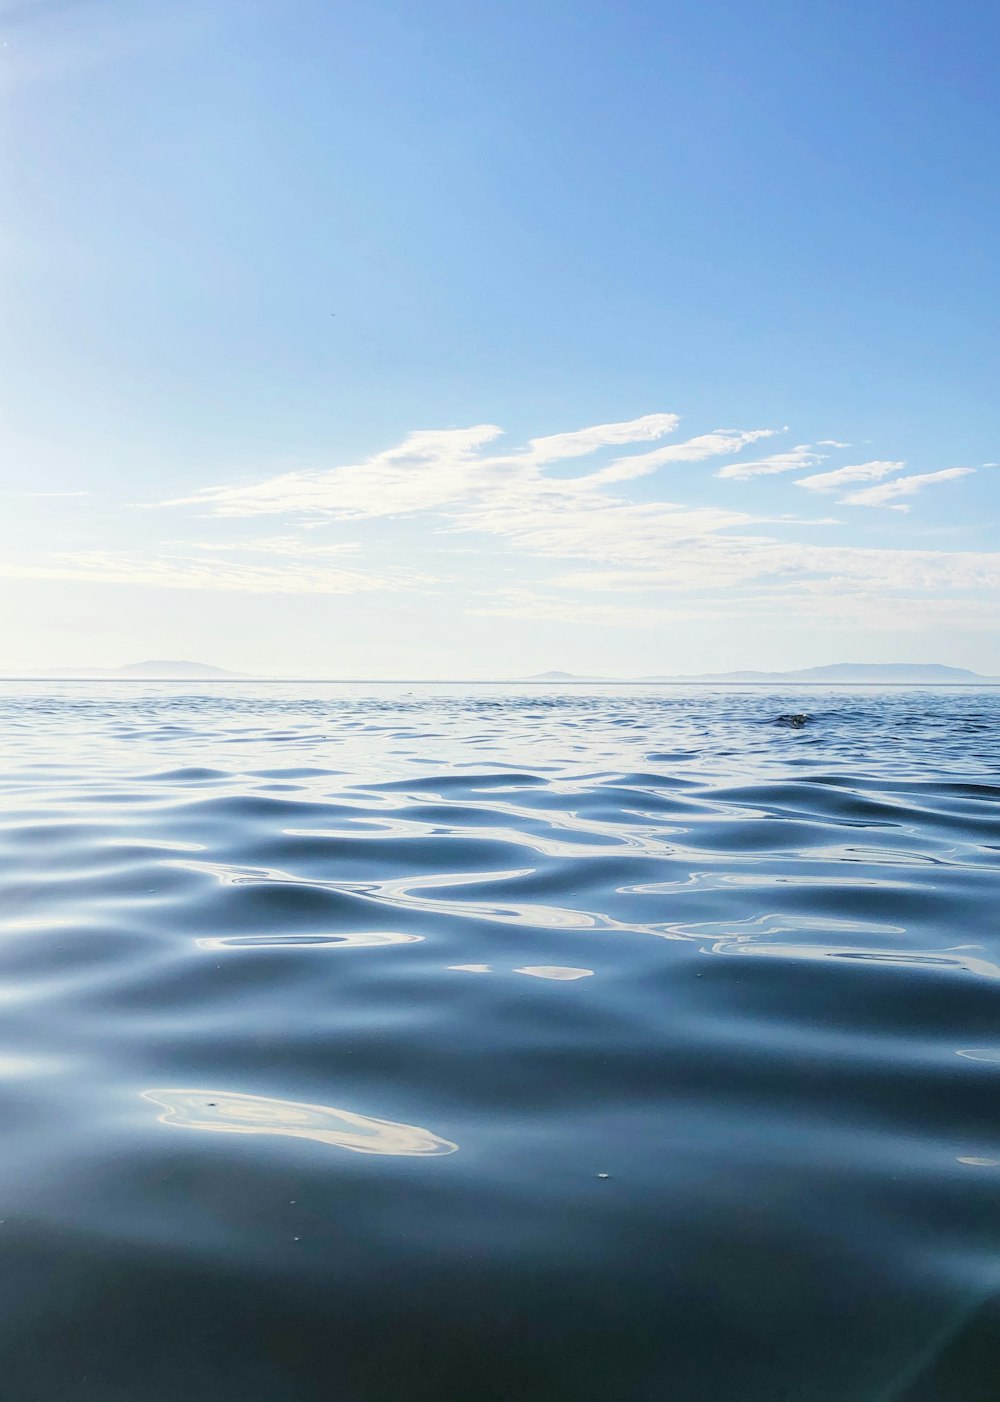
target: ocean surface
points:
(499, 1044)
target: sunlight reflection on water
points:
(230, 1112)
(360, 939)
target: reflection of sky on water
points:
(554, 971)
(14, 1067)
(362, 939)
(945, 959)
(796, 1002)
(230, 1112)
(559, 972)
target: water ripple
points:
(708, 1002)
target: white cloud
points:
(428, 469)
(903, 487)
(589, 440)
(804, 455)
(720, 443)
(529, 604)
(721, 562)
(601, 529)
(703, 561)
(15, 493)
(868, 609)
(448, 478)
(178, 571)
(857, 472)
(292, 546)
(432, 470)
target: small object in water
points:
(796, 719)
(604, 1175)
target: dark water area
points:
(474, 1044)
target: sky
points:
(374, 339)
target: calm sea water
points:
(391, 1044)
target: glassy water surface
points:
(398, 1043)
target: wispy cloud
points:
(869, 609)
(434, 469)
(37, 495)
(588, 440)
(182, 571)
(530, 511)
(547, 608)
(858, 472)
(724, 561)
(794, 460)
(428, 470)
(887, 494)
(458, 482)
(291, 546)
(720, 443)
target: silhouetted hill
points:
(911, 672)
(873, 673)
(147, 671)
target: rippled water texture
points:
(480, 1044)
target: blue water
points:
(398, 1043)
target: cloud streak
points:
(457, 481)
(182, 571)
(842, 476)
(794, 460)
(435, 469)
(563, 516)
(888, 492)
(588, 440)
(722, 442)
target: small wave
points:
(360, 939)
(722, 1063)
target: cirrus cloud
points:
(856, 472)
(903, 487)
(528, 512)
(794, 460)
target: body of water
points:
(499, 1044)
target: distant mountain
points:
(874, 673)
(147, 671)
(878, 672)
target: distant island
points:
(849, 672)
(146, 671)
(871, 673)
(837, 673)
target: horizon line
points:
(693, 680)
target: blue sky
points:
(291, 289)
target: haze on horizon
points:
(380, 340)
